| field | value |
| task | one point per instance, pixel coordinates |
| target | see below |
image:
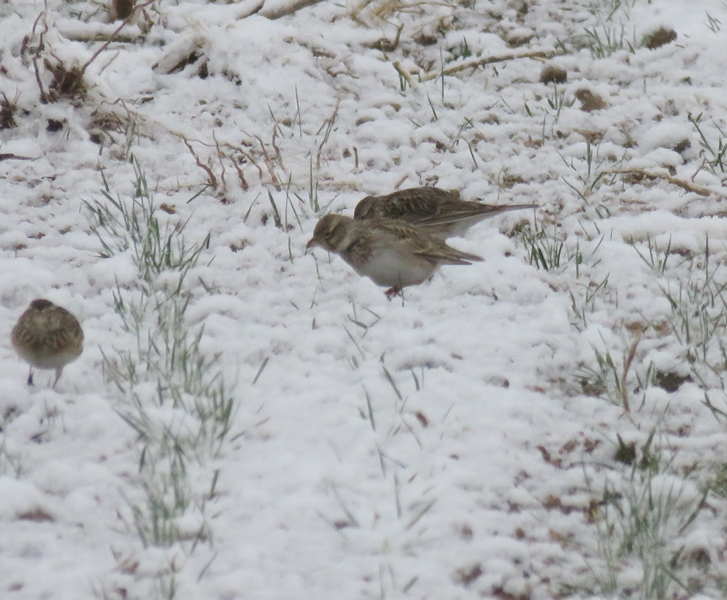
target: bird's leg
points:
(59, 370)
(396, 290)
(30, 376)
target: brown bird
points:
(390, 253)
(440, 212)
(47, 336)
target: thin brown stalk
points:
(686, 185)
(404, 73)
(252, 161)
(278, 154)
(487, 60)
(269, 164)
(220, 157)
(210, 174)
(288, 9)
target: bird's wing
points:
(456, 211)
(413, 240)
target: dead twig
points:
(287, 9)
(210, 174)
(487, 60)
(220, 157)
(16, 157)
(269, 164)
(240, 175)
(686, 185)
(105, 45)
(93, 35)
(404, 73)
(38, 50)
(247, 156)
(278, 154)
(385, 44)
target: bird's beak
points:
(312, 244)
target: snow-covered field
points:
(547, 423)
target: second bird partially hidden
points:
(438, 212)
(390, 253)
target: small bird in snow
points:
(390, 253)
(439, 212)
(47, 336)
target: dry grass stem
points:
(210, 174)
(487, 60)
(686, 185)
(404, 73)
(285, 10)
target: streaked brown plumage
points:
(440, 212)
(390, 253)
(47, 336)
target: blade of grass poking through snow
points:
(397, 500)
(382, 464)
(713, 409)
(261, 369)
(370, 410)
(313, 189)
(276, 214)
(655, 262)
(411, 431)
(390, 379)
(297, 113)
(247, 214)
(628, 359)
(431, 105)
(423, 511)
(717, 156)
(355, 343)
(289, 202)
(416, 380)
(441, 70)
(714, 24)
(207, 566)
(472, 154)
(199, 193)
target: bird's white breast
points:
(390, 268)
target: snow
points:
(444, 446)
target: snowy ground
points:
(455, 445)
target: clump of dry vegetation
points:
(8, 109)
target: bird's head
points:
(41, 304)
(330, 232)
